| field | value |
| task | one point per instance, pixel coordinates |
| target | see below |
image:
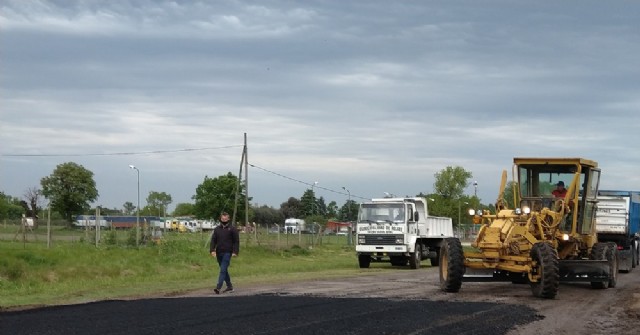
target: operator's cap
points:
(224, 213)
(560, 183)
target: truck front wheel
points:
(416, 257)
(364, 261)
(451, 265)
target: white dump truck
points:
(399, 230)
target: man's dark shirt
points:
(225, 238)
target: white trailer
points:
(618, 221)
(295, 226)
(401, 231)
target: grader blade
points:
(584, 270)
(490, 275)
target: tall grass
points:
(71, 272)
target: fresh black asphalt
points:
(268, 314)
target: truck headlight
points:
(526, 209)
(399, 240)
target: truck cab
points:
(399, 230)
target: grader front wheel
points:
(546, 269)
(451, 265)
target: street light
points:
(313, 204)
(138, 207)
(348, 203)
(475, 185)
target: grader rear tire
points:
(545, 259)
(612, 258)
(599, 252)
(451, 265)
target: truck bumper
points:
(387, 249)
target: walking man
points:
(225, 243)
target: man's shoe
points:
(228, 290)
(217, 290)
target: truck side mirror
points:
(416, 216)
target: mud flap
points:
(584, 270)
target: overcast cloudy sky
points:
(373, 96)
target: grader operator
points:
(545, 240)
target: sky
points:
(362, 97)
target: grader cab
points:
(544, 240)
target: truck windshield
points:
(381, 213)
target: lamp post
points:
(348, 202)
(138, 207)
(475, 186)
(313, 204)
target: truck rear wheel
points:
(451, 265)
(435, 261)
(364, 261)
(634, 255)
(416, 257)
(545, 265)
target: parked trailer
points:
(114, 221)
(618, 221)
(295, 226)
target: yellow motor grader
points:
(545, 240)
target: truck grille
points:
(380, 239)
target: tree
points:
(217, 195)
(349, 211)
(32, 200)
(508, 194)
(267, 216)
(451, 182)
(184, 209)
(128, 208)
(10, 207)
(70, 189)
(332, 210)
(158, 202)
(292, 208)
(309, 203)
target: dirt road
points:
(399, 302)
(578, 309)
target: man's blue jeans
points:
(224, 259)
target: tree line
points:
(70, 190)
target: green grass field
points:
(74, 270)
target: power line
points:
(120, 153)
(307, 183)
